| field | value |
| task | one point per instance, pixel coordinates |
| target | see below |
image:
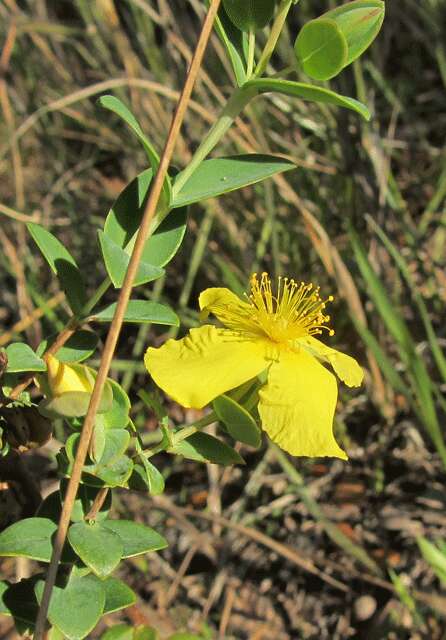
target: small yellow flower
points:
(272, 331)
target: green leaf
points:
(118, 632)
(80, 346)
(115, 473)
(152, 478)
(62, 264)
(22, 358)
(359, 22)
(117, 261)
(305, 91)
(434, 557)
(239, 423)
(321, 49)
(98, 442)
(117, 595)
(248, 15)
(114, 468)
(116, 443)
(28, 538)
(125, 216)
(206, 448)
(120, 109)
(69, 405)
(77, 608)
(138, 481)
(140, 312)
(117, 416)
(19, 601)
(137, 538)
(97, 546)
(221, 175)
(145, 633)
(73, 404)
(235, 42)
(406, 598)
(155, 478)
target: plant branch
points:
(232, 109)
(117, 321)
(98, 503)
(274, 35)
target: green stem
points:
(97, 295)
(192, 428)
(274, 35)
(251, 53)
(233, 108)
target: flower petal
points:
(297, 406)
(345, 366)
(222, 303)
(204, 364)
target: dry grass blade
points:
(283, 550)
(16, 215)
(117, 321)
(29, 320)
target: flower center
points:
(295, 310)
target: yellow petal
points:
(345, 366)
(63, 378)
(297, 406)
(204, 364)
(223, 304)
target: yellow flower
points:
(272, 331)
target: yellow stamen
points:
(295, 311)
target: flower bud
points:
(68, 390)
(250, 15)
(63, 378)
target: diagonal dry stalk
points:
(116, 324)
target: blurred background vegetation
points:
(363, 216)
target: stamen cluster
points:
(294, 311)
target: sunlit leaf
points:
(217, 176)
(22, 358)
(140, 312)
(62, 264)
(76, 608)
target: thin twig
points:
(98, 503)
(17, 215)
(118, 318)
